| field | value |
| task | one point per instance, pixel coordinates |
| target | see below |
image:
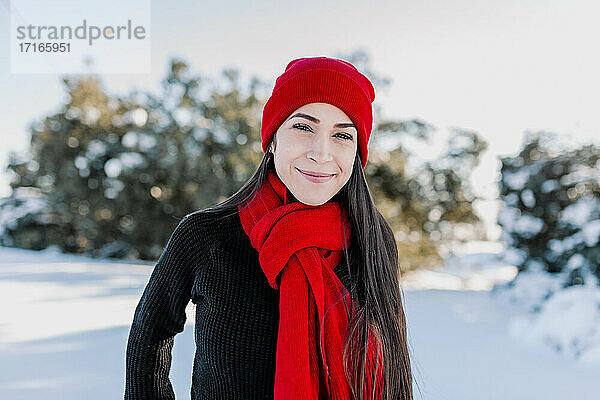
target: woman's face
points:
(317, 138)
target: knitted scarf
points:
(299, 245)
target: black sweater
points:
(211, 262)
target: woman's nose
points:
(321, 147)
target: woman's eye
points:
(345, 136)
(301, 126)
(304, 127)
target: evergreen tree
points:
(551, 214)
(119, 172)
(424, 208)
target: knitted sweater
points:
(209, 260)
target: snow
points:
(129, 139)
(144, 141)
(579, 327)
(113, 167)
(529, 289)
(511, 199)
(126, 160)
(578, 173)
(528, 198)
(182, 116)
(160, 117)
(578, 213)
(588, 235)
(516, 180)
(73, 113)
(512, 220)
(571, 242)
(66, 320)
(139, 116)
(200, 133)
(528, 226)
(576, 261)
(96, 148)
(80, 162)
(514, 256)
(91, 116)
(221, 135)
(506, 216)
(131, 160)
(25, 200)
(591, 232)
(549, 185)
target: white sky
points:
(499, 68)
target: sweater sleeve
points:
(159, 316)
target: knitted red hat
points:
(321, 80)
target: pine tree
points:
(118, 172)
(551, 217)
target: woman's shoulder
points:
(208, 223)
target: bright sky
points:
(499, 68)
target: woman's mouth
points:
(321, 178)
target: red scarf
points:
(299, 245)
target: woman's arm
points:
(160, 315)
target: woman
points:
(295, 276)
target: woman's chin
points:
(312, 200)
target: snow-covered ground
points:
(65, 320)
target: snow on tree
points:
(551, 213)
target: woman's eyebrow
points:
(316, 120)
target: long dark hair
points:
(372, 264)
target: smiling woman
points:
(314, 158)
(295, 276)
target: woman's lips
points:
(315, 179)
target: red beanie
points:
(321, 80)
